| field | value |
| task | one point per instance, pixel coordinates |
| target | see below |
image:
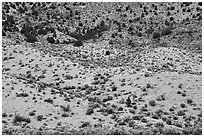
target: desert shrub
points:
(65, 115)
(39, 117)
(171, 131)
(109, 111)
(51, 40)
(32, 113)
(181, 113)
(19, 118)
(3, 33)
(66, 108)
(156, 35)
(155, 116)
(182, 105)
(107, 98)
(166, 31)
(89, 111)
(159, 125)
(31, 38)
(189, 101)
(49, 100)
(144, 120)
(22, 94)
(178, 92)
(197, 131)
(168, 122)
(120, 109)
(178, 124)
(78, 43)
(107, 52)
(42, 32)
(152, 103)
(139, 34)
(4, 114)
(84, 124)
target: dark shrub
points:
(32, 113)
(78, 43)
(182, 105)
(181, 113)
(189, 101)
(159, 124)
(139, 34)
(156, 35)
(49, 100)
(42, 32)
(10, 19)
(152, 103)
(4, 114)
(66, 108)
(3, 33)
(107, 52)
(166, 31)
(39, 117)
(89, 111)
(50, 40)
(18, 118)
(30, 38)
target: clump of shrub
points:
(19, 118)
(49, 100)
(159, 125)
(4, 114)
(166, 31)
(32, 113)
(39, 117)
(152, 103)
(65, 115)
(51, 40)
(89, 111)
(78, 43)
(181, 113)
(66, 108)
(84, 124)
(156, 35)
(22, 94)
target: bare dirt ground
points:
(150, 86)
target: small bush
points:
(66, 108)
(49, 100)
(181, 113)
(136, 117)
(159, 125)
(65, 115)
(182, 105)
(156, 35)
(152, 103)
(4, 114)
(166, 31)
(39, 117)
(32, 113)
(22, 95)
(89, 111)
(189, 101)
(84, 124)
(50, 40)
(19, 118)
(31, 38)
(78, 43)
